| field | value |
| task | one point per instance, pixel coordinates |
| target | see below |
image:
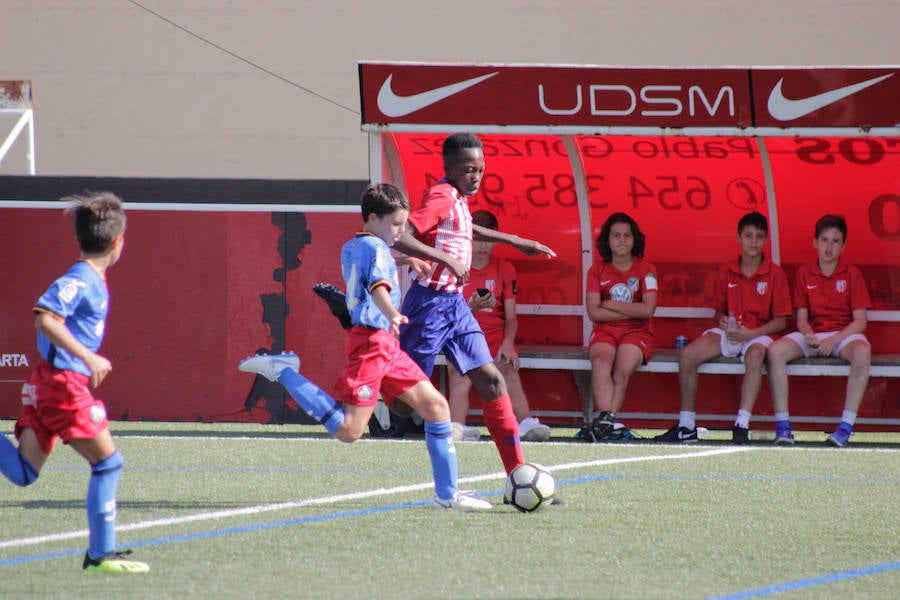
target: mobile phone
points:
(483, 292)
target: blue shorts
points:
(442, 321)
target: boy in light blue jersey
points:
(56, 399)
(376, 365)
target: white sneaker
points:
(461, 501)
(532, 430)
(270, 366)
(464, 433)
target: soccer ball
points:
(529, 487)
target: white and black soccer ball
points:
(529, 487)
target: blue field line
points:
(804, 583)
(213, 533)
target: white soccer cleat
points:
(461, 501)
(532, 430)
(464, 433)
(270, 366)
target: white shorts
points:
(799, 339)
(732, 350)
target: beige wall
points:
(120, 92)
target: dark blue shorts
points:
(442, 321)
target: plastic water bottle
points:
(728, 347)
(732, 322)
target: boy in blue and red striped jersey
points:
(439, 317)
(56, 400)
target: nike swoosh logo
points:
(392, 105)
(810, 287)
(785, 109)
(732, 285)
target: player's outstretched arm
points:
(525, 246)
(409, 245)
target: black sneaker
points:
(586, 434)
(678, 434)
(337, 302)
(740, 436)
(603, 425)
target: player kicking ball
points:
(377, 365)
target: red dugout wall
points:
(202, 285)
(686, 152)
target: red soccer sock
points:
(501, 422)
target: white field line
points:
(264, 508)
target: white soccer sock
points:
(686, 419)
(848, 417)
(782, 416)
(743, 419)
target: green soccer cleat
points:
(114, 562)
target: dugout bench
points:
(686, 152)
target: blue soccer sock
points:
(101, 504)
(14, 466)
(312, 399)
(439, 441)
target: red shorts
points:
(494, 340)
(57, 403)
(615, 338)
(376, 366)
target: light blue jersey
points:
(79, 298)
(366, 262)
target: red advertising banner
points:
(663, 97)
(554, 95)
(826, 97)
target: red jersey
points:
(623, 286)
(499, 276)
(754, 300)
(443, 222)
(830, 299)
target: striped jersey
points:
(443, 222)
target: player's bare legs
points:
(516, 391)
(488, 381)
(602, 357)
(695, 354)
(859, 354)
(458, 395)
(30, 449)
(628, 358)
(427, 402)
(96, 449)
(356, 420)
(780, 353)
(754, 358)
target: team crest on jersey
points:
(98, 414)
(840, 285)
(363, 392)
(633, 284)
(761, 288)
(69, 291)
(621, 293)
